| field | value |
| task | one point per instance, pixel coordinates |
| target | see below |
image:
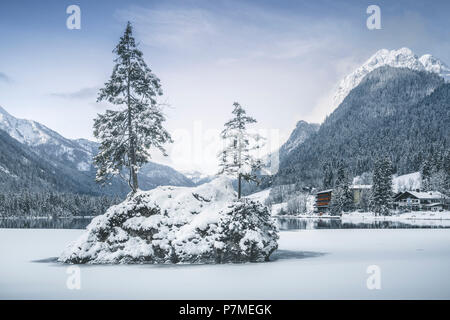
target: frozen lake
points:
(299, 223)
(310, 264)
(284, 223)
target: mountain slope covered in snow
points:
(401, 58)
(73, 158)
(398, 112)
(21, 169)
(302, 131)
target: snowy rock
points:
(433, 64)
(204, 224)
(401, 58)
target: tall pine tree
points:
(327, 179)
(237, 157)
(127, 135)
(381, 200)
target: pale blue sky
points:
(280, 59)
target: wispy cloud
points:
(84, 93)
(240, 32)
(4, 77)
(182, 28)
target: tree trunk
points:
(134, 179)
(133, 174)
(239, 186)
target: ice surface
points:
(311, 264)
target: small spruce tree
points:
(237, 157)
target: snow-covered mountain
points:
(27, 131)
(74, 157)
(400, 112)
(48, 143)
(303, 130)
(198, 177)
(401, 58)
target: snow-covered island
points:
(204, 224)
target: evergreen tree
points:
(382, 187)
(341, 197)
(425, 173)
(237, 157)
(327, 181)
(127, 135)
(435, 172)
(446, 169)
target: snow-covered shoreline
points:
(369, 216)
(45, 217)
(413, 215)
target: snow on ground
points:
(410, 181)
(178, 224)
(260, 196)
(311, 264)
(83, 166)
(278, 207)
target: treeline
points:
(435, 172)
(53, 204)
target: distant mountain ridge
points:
(73, 158)
(198, 177)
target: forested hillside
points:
(398, 112)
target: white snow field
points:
(310, 264)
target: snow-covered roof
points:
(434, 205)
(361, 186)
(325, 191)
(427, 195)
